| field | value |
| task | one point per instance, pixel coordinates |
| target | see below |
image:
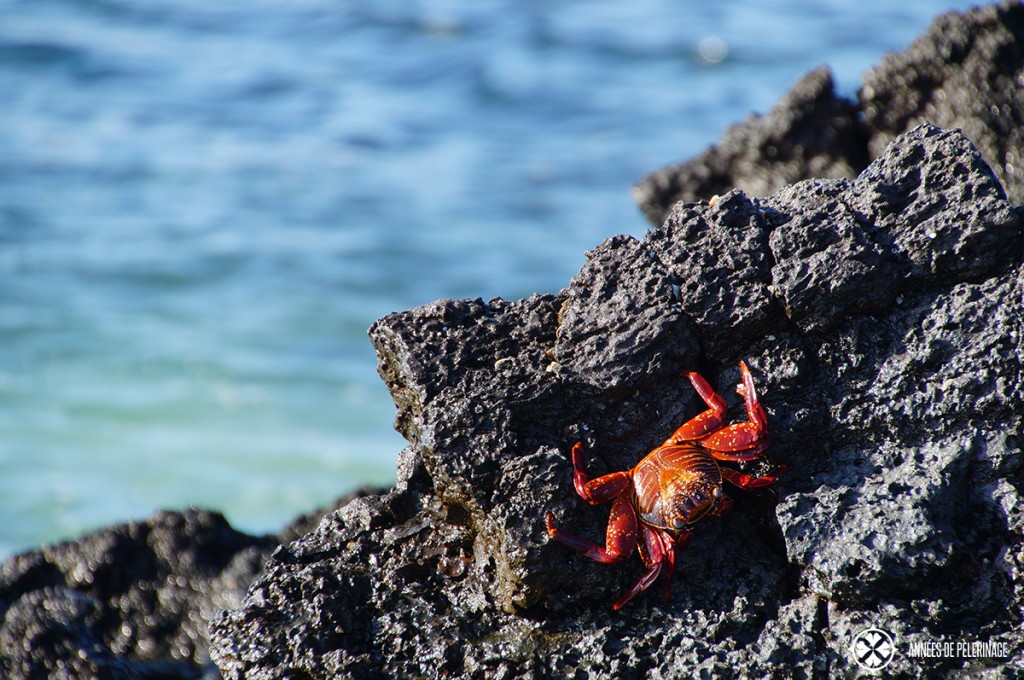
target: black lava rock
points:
(883, 319)
(966, 72)
(811, 132)
(133, 600)
(130, 601)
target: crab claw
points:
(742, 441)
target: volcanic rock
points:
(966, 72)
(129, 601)
(810, 133)
(883, 321)
(133, 600)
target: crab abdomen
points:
(676, 485)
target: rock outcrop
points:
(129, 601)
(966, 72)
(133, 600)
(883, 319)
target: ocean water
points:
(204, 205)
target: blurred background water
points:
(204, 205)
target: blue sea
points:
(204, 205)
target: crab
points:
(656, 504)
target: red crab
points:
(657, 503)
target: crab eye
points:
(678, 522)
(717, 492)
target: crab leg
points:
(620, 539)
(742, 441)
(705, 423)
(656, 551)
(598, 490)
(745, 481)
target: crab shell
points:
(674, 486)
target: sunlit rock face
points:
(882, 319)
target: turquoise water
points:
(203, 209)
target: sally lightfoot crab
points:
(656, 504)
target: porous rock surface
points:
(133, 600)
(882, 319)
(128, 601)
(966, 72)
